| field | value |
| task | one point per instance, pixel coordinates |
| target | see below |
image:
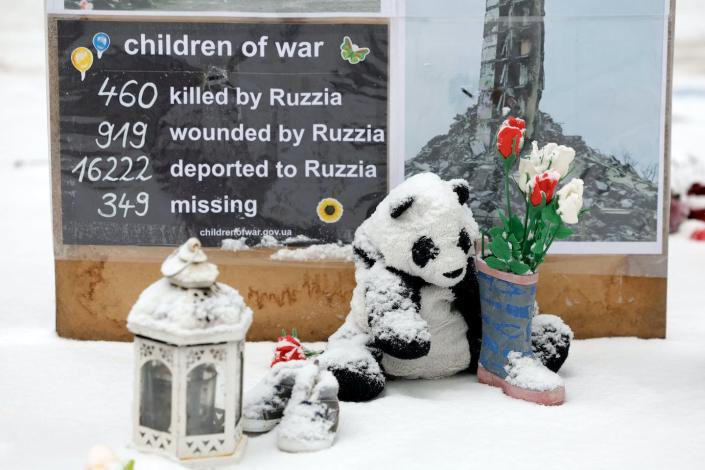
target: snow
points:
(164, 307)
(268, 241)
(528, 372)
(631, 403)
(323, 252)
(187, 266)
(688, 227)
(308, 425)
(235, 244)
(390, 311)
(263, 398)
(553, 330)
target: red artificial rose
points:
(510, 137)
(515, 122)
(288, 348)
(544, 184)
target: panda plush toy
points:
(415, 311)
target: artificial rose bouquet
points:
(519, 246)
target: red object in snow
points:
(696, 189)
(698, 214)
(288, 348)
(698, 235)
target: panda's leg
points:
(354, 363)
(550, 340)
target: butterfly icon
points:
(352, 52)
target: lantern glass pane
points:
(205, 400)
(238, 405)
(155, 396)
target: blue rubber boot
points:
(506, 357)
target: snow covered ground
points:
(637, 404)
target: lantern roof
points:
(187, 306)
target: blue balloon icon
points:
(101, 42)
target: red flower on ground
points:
(510, 137)
(288, 348)
(698, 235)
(544, 184)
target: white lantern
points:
(189, 342)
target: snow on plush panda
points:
(415, 311)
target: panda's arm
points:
(392, 308)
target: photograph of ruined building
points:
(622, 181)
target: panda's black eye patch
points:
(464, 241)
(423, 251)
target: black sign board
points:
(220, 130)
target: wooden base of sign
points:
(93, 298)
(596, 306)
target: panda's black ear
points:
(462, 189)
(397, 208)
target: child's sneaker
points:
(311, 417)
(264, 405)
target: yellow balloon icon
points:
(82, 60)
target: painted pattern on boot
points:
(310, 420)
(264, 405)
(506, 357)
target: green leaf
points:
(516, 247)
(516, 227)
(513, 240)
(518, 267)
(500, 248)
(509, 161)
(495, 263)
(563, 232)
(129, 466)
(505, 221)
(497, 232)
(538, 247)
(550, 215)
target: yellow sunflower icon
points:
(329, 210)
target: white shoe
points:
(264, 404)
(310, 419)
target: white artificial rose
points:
(550, 157)
(570, 201)
(560, 159)
(101, 457)
(527, 172)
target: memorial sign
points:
(220, 130)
